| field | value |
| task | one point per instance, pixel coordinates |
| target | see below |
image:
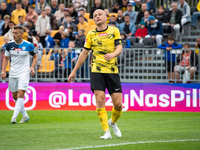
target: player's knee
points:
(118, 105)
(15, 97)
(20, 94)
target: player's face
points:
(99, 17)
(17, 36)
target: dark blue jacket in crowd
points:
(151, 6)
(155, 29)
(56, 58)
(49, 42)
(68, 59)
(64, 43)
(167, 53)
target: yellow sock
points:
(103, 118)
(115, 115)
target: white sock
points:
(23, 110)
(18, 107)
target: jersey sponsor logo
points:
(18, 49)
(103, 34)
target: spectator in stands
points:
(108, 16)
(52, 18)
(57, 37)
(185, 8)
(174, 19)
(30, 34)
(54, 6)
(125, 42)
(188, 60)
(83, 25)
(112, 24)
(168, 57)
(39, 44)
(39, 52)
(113, 18)
(18, 12)
(146, 17)
(197, 45)
(2, 22)
(81, 12)
(25, 5)
(137, 6)
(25, 35)
(42, 25)
(79, 4)
(131, 12)
(56, 57)
(123, 7)
(63, 20)
(9, 34)
(72, 11)
(195, 16)
(141, 32)
(115, 8)
(160, 16)
(80, 39)
(40, 6)
(49, 41)
(70, 30)
(67, 21)
(34, 20)
(151, 6)
(21, 23)
(31, 13)
(97, 5)
(120, 17)
(127, 26)
(155, 30)
(5, 27)
(60, 13)
(32, 27)
(11, 6)
(141, 13)
(65, 40)
(3, 10)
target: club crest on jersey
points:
(103, 34)
(18, 49)
(23, 48)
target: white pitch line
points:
(131, 143)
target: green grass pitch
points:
(48, 130)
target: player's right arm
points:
(82, 57)
(4, 65)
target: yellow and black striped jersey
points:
(101, 43)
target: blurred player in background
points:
(106, 44)
(20, 51)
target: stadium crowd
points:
(134, 18)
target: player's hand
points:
(32, 71)
(3, 75)
(71, 76)
(108, 56)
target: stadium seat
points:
(46, 65)
(166, 10)
(91, 22)
(110, 14)
(148, 42)
(8, 67)
(167, 30)
(53, 32)
(50, 51)
(1, 41)
(87, 16)
(133, 40)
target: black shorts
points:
(101, 81)
(170, 66)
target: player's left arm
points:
(35, 59)
(118, 46)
